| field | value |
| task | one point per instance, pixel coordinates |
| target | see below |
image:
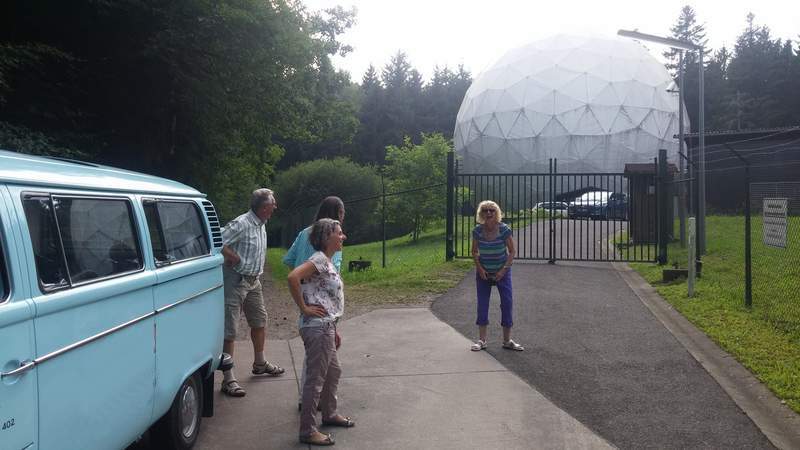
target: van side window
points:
(4, 286)
(176, 229)
(98, 236)
(46, 242)
(76, 239)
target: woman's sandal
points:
(310, 439)
(268, 369)
(339, 421)
(233, 389)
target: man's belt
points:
(250, 278)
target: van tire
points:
(180, 426)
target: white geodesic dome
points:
(595, 104)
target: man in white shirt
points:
(244, 248)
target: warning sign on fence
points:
(774, 222)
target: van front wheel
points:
(179, 427)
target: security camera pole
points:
(701, 156)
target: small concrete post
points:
(692, 266)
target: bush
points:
(410, 167)
(300, 189)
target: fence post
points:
(662, 200)
(449, 238)
(748, 274)
(383, 218)
(551, 220)
(691, 251)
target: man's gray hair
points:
(321, 231)
(261, 196)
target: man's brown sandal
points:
(232, 389)
(310, 439)
(339, 421)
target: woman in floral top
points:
(332, 208)
(317, 289)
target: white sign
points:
(774, 221)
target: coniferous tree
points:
(414, 93)
(759, 75)
(369, 146)
(687, 29)
(443, 97)
(398, 106)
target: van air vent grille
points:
(213, 220)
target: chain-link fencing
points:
(775, 250)
(391, 229)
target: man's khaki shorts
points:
(242, 293)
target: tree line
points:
(755, 84)
(230, 95)
(220, 95)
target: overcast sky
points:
(476, 33)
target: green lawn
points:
(766, 338)
(415, 271)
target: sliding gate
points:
(564, 216)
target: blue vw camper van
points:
(111, 306)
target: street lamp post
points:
(701, 170)
(701, 155)
(684, 169)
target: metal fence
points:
(565, 216)
(775, 250)
(752, 258)
(368, 221)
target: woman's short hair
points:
(321, 231)
(480, 218)
(261, 196)
(329, 208)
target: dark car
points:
(587, 205)
(600, 205)
(616, 208)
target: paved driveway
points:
(598, 353)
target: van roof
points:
(18, 168)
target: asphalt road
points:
(574, 239)
(597, 352)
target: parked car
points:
(600, 205)
(616, 208)
(558, 208)
(111, 306)
(587, 205)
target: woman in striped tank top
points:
(493, 251)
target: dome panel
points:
(507, 119)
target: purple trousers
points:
(506, 300)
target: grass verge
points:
(415, 272)
(764, 338)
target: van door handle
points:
(24, 366)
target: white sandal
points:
(511, 345)
(478, 346)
